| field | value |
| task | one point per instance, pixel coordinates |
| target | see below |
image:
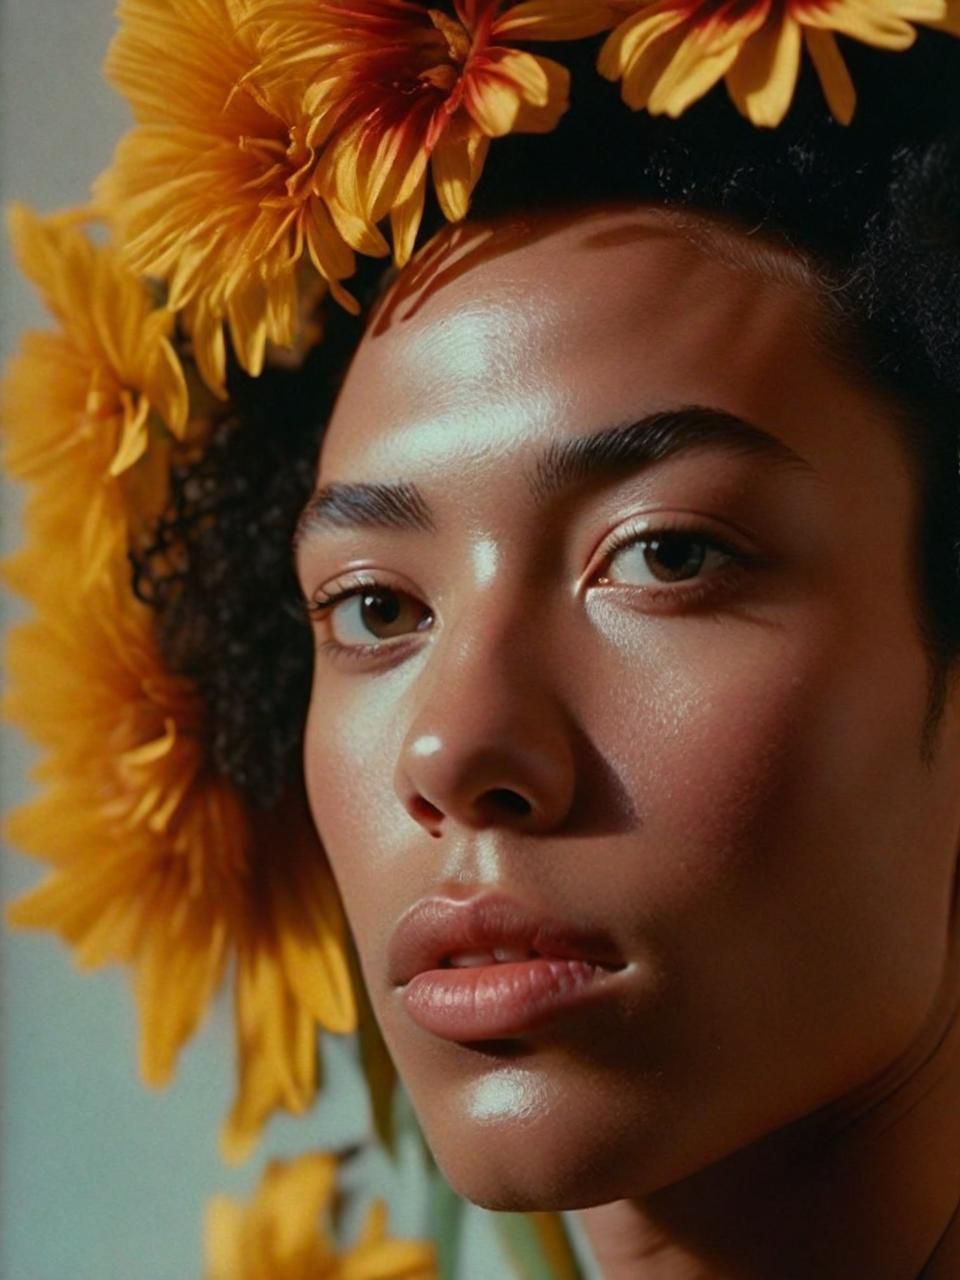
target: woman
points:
(633, 728)
(648, 717)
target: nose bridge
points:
(489, 737)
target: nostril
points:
(510, 801)
(424, 811)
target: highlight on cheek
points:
(515, 1096)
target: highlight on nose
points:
(494, 750)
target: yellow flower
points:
(284, 1234)
(79, 405)
(669, 53)
(212, 191)
(155, 861)
(400, 86)
(292, 972)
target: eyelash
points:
(694, 592)
(323, 602)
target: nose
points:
(489, 743)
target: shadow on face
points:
(619, 674)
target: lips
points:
(488, 968)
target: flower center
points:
(286, 164)
(443, 77)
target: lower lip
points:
(492, 1002)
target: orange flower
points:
(156, 862)
(669, 53)
(399, 86)
(283, 1234)
(79, 405)
(212, 191)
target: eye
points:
(658, 557)
(364, 617)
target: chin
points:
(519, 1139)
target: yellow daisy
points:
(400, 87)
(78, 406)
(669, 53)
(212, 191)
(283, 1234)
(155, 861)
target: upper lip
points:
(436, 928)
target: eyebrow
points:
(614, 452)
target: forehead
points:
(503, 335)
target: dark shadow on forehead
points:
(462, 248)
(573, 462)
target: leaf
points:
(446, 1224)
(375, 1061)
(538, 1246)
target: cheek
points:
(782, 836)
(736, 740)
(774, 876)
(352, 746)
(705, 724)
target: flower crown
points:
(241, 197)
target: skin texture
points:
(724, 772)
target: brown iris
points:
(385, 608)
(672, 557)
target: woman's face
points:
(645, 713)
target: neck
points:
(866, 1187)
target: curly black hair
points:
(875, 204)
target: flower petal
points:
(133, 441)
(834, 77)
(872, 23)
(246, 311)
(456, 164)
(493, 102)
(359, 234)
(525, 71)
(691, 73)
(950, 22)
(532, 119)
(623, 46)
(555, 20)
(763, 78)
(405, 221)
(205, 327)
